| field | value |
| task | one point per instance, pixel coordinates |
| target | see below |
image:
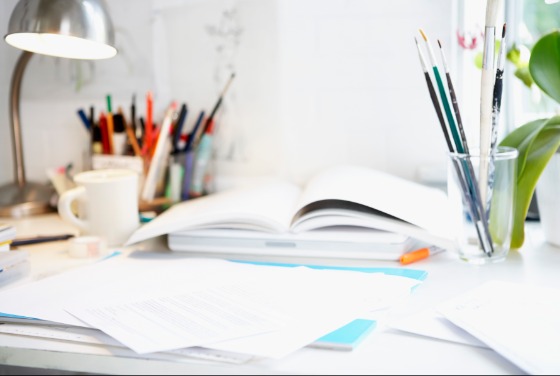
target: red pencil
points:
(148, 125)
(104, 134)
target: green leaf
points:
(524, 75)
(536, 141)
(544, 64)
(478, 60)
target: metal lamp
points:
(74, 29)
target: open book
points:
(357, 204)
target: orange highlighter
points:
(419, 254)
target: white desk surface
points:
(385, 351)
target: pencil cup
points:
(483, 226)
(108, 204)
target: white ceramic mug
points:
(107, 204)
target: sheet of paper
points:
(519, 321)
(431, 324)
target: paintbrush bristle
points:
(423, 35)
(504, 31)
(439, 43)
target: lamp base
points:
(31, 199)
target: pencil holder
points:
(482, 216)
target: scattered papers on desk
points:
(295, 305)
(521, 322)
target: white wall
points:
(317, 82)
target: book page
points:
(406, 200)
(264, 206)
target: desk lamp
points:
(74, 29)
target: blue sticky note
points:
(346, 337)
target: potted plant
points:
(538, 140)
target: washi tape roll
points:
(86, 246)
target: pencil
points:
(130, 134)
(148, 126)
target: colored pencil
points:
(148, 125)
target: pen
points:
(179, 127)
(419, 254)
(84, 118)
(119, 135)
(110, 128)
(40, 239)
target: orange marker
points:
(419, 254)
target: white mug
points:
(108, 204)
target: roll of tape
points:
(86, 246)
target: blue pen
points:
(84, 118)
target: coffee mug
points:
(107, 204)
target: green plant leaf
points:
(536, 141)
(524, 75)
(544, 64)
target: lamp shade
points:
(75, 29)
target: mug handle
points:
(65, 206)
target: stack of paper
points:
(157, 303)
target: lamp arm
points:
(17, 75)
